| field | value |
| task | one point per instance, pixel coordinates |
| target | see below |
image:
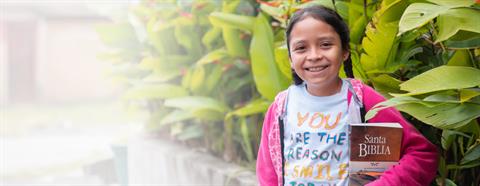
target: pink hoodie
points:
(417, 166)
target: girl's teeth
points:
(316, 69)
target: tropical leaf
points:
(209, 38)
(419, 14)
(234, 43)
(357, 30)
(190, 132)
(386, 84)
(198, 79)
(467, 94)
(464, 44)
(378, 46)
(208, 115)
(154, 91)
(453, 4)
(246, 143)
(268, 82)
(445, 181)
(438, 114)
(472, 155)
(448, 137)
(229, 20)
(454, 20)
(213, 78)
(176, 116)
(390, 11)
(283, 63)
(460, 58)
(161, 76)
(442, 78)
(213, 56)
(254, 107)
(195, 103)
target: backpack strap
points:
(356, 87)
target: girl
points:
(305, 131)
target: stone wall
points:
(158, 162)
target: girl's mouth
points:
(316, 69)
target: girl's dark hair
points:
(330, 17)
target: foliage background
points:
(208, 70)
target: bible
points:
(374, 147)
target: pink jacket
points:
(417, 166)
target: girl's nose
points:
(314, 55)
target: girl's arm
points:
(419, 157)
(265, 171)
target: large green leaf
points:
(441, 115)
(378, 46)
(390, 11)
(213, 56)
(283, 63)
(214, 78)
(211, 35)
(208, 115)
(444, 116)
(233, 42)
(460, 58)
(254, 107)
(161, 76)
(453, 3)
(268, 78)
(454, 20)
(190, 132)
(176, 116)
(357, 30)
(390, 103)
(448, 137)
(386, 84)
(197, 80)
(419, 14)
(442, 78)
(472, 155)
(246, 142)
(276, 12)
(195, 103)
(467, 94)
(153, 91)
(242, 22)
(464, 44)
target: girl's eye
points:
(301, 48)
(326, 45)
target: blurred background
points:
(60, 109)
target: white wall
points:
(3, 65)
(68, 68)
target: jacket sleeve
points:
(265, 171)
(419, 158)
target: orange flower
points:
(271, 3)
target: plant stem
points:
(435, 33)
(472, 58)
(334, 6)
(365, 10)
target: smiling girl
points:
(305, 132)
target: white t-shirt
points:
(316, 138)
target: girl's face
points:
(316, 52)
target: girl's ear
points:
(345, 54)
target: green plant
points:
(200, 68)
(433, 81)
